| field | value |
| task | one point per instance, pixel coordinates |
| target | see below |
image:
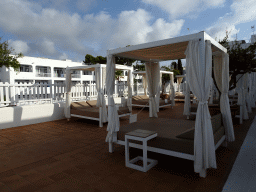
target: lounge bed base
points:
(92, 118)
(164, 151)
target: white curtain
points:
(101, 75)
(224, 100)
(179, 79)
(187, 103)
(254, 87)
(68, 94)
(212, 92)
(221, 74)
(113, 120)
(145, 84)
(129, 82)
(153, 79)
(172, 92)
(251, 90)
(247, 96)
(198, 75)
(158, 92)
(240, 87)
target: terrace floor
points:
(73, 156)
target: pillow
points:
(189, 134)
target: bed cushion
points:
(137, 97)
(80, 104)
(144, 97)
(92, 103)
(189, 134)
(89, 112)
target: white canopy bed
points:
(145, 100)
(85, 109)
(198, 50)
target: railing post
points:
(12, 89)
(30, 92)
(90, 91)
(137, 87)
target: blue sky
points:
(70, 29)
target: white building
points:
(43, 70)
(243, 43)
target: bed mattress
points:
(167, 130)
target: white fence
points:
(28, 93)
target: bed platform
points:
(180, 97)
(143, 101)
(175, 136)
(88, 110)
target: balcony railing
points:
(43, 74)
(59, 75)
(75, 75)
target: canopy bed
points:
(143, 100)
(95, 109)
(198, 50)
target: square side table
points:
(144, 136)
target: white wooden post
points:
(90, 90)
(1, 94)
(16, 93)
(30, 92)
(137, 87)
(12, 89)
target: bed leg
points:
(100, 124)
(187, 116)
(111, 147)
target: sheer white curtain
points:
(212, 92)
(68, 94)
(254, 87)
(100, 75)
(251, 90)
(129, 82)
(221, 74)
(158, 92)
(172, 92)
(198, 75)
(224, 100)
(113, 120)
(240, 87)
(247, 96)
(153, 78)
(179, 79)
(187, 103)
(145, 84)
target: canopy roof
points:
(167, 49)
(144, 72)
(93, 67)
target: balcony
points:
(43, 74)
(59, 75)
(75, 75)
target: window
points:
(87, 72)
(26, 68)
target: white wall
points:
(30, 114)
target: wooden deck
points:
(73, 156)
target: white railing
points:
(43, 74)
(28, 93)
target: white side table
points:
(144, 136)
